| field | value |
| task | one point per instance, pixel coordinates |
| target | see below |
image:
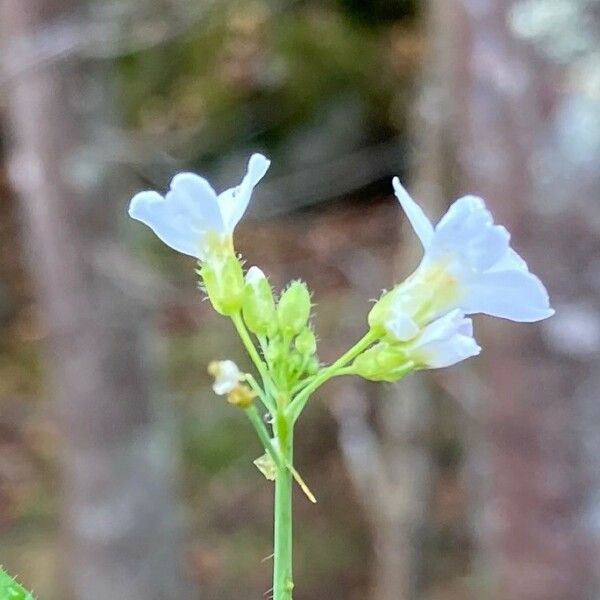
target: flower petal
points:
(254, 275)
(443, 327)
(196, 198)
(509, 261)
(234, 201)
(446, 341)
(467, 234)
(152, 209)
(462, 208)
(227, 376)
(182, 217)
(418, 219)
(513, 294)
(401, 326)
(456, 350)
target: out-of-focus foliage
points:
(380, 11)
(306, 82)
(257, 73)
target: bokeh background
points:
(121, 474)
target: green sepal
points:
(11, 589)
(381, 313)
(223, 280)
(383, 362)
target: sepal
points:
(223, 280)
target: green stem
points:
(278, 459)
(263, 434)
(240, 327)
(299, 402)
(282, 565)
(264, 398)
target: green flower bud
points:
(224, 282)
(259, 305)
(312, 368)
(293, 309)
(306, 342)
(294, 362)
(383, 362)
(274, 351)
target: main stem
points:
(282, 560)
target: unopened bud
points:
(382, 362)
(306, 342)
(293, 309)
(294, 362)
(312, 368)
(259, 305)
(227, 375)
(241, 396)
(274, 351)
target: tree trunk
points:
(117, 507)
(390, 468)
(527, 139)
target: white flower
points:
(192, 218)
(227, 376)
(446, 341)
(468, 264)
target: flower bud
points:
(227, 375)
(259, 305)
(294, 362)
(312, 368)
(306, 342)
(241, 396)
(293, 309)
(274, 351)
(224, 282)
(383, 362)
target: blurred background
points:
(121, 474)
